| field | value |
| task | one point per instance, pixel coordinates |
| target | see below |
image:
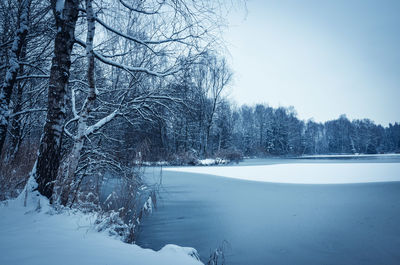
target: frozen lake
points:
(276, 223)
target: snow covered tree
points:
(13, 67)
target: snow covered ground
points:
(36, 235)
(321, 173)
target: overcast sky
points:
(325, 58)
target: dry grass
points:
(14, 171)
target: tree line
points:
(261, 130)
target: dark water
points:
(270, 223)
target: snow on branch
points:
(78, 81)
(66, 131)
(74, 112)
(93, 128)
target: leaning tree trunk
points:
(50, 145)
(70, 165)
(12, 70)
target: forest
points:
(93, 87)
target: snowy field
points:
(29, 236)
(312, 173)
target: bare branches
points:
(119, 33)
(127, 68)
(148, 42)
(141, 11)
(19, 78)
(26, 111)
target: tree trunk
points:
(71, 164)
(16, 126)
(13, 68)
(50, 144)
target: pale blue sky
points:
(325, 58)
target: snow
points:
(211, 161)
(162, 163)
(148, 205)
(321, 173)
(207, 162)
(37, 235)
(200, 162)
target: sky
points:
(325, 58)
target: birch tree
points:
(71, 163)
(65, 15)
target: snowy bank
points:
(36, 235)
(321, 173)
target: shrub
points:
(231, 155)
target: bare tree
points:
(211, 75)
(219, 77)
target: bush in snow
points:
(123, 222)
(231, 155)
(184, 158)
(217, 257)
(125, 206)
